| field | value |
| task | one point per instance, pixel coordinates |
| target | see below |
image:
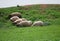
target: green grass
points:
(10, 32)
(45, 33)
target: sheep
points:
(38, 23)
(19, 20)
(14, 18)
(24, 23)
(15, 14)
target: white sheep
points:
(24, 23)
(14, 18)
(38, 23)
(19, 20)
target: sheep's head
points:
(14, 18)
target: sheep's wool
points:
(38, 23)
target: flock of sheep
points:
(17, 19)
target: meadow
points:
(51, 14)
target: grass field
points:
(10, 32)
(45, 33)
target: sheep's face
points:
(14, 18)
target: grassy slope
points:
(9, 32)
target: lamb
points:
(38, 23)
(19, 20)
(14, 18)
(24, 23)
(15, 14)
